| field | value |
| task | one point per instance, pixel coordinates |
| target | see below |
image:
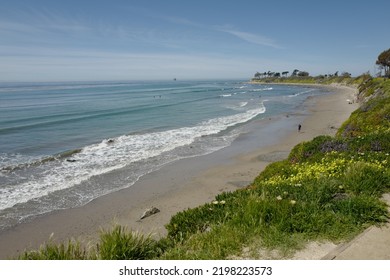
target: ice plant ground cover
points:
(329, 188)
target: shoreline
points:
(186, 183)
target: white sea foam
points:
(301, 92)
(107, 156)
(262, 89)
(225, 95)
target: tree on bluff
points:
(384, 62)
(303, 74)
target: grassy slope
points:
(328, 189)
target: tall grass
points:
(72, 250)
(120, 244)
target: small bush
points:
(120, 244)
(312, 150)
(281, 168)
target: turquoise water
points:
(62, 145)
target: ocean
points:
(65, 144)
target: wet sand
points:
(189, 182)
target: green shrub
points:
(313, 150)
(366, 178)
(362, 210)
(51, 251)
(280, 168)
(119, 244)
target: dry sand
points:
(186, 183)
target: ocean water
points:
(65, 144)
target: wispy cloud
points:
(246, 36)
(182, 21)
(40, 31)
(251, 38)
(55, 46)
(43, 30)
(42, 20)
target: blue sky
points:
(141, 40)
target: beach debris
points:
(149, 212)
(71, 160)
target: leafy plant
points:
(120, 244)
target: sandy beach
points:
(189, 182)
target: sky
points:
(82, 40)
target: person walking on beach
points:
(299, 127)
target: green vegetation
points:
(373, 117)
(116, 244)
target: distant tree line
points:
(383, 62)
(297, 73)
